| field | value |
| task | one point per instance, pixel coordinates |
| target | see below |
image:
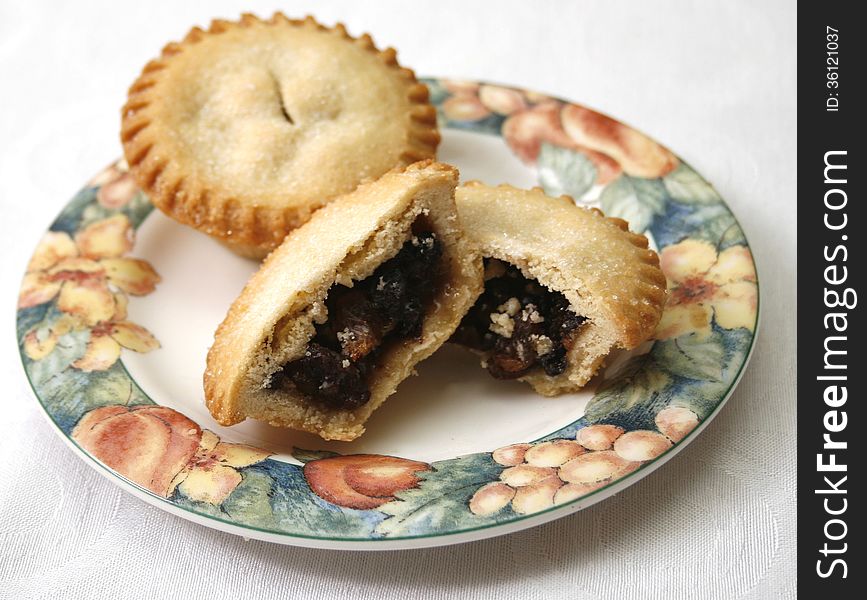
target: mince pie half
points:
(564, 286)
(340, 313)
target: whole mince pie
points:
(244, 129)
(340, 313)
(564, 286)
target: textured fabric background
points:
(715, 81)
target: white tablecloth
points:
(715, 81)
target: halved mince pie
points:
(564, 286)
(341, 312)
(244, 129)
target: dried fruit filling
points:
(387, 307)
(519, 324)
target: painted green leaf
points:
(297, 510)
(634, 199)
(138, 209)
(688, 187)
(69, 218)
(702, 397)
(69, 393)
(716, 224)
(250, 502)
(727, 348)
(564, 171)
(639, 381)
(28, 318)
(692, 356)
(69, 348)
(441, 500)
(202, 508)
(114, 386)
(732, 236)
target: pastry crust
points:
(607, 273)
(273, 319)
(244, 129)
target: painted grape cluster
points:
(542, 475)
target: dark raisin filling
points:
(389, 306)
(519, 324)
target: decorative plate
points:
(119, 305)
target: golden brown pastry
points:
(340, 313)
(243, 130)
(564, 286)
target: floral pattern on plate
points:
(73, 327)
